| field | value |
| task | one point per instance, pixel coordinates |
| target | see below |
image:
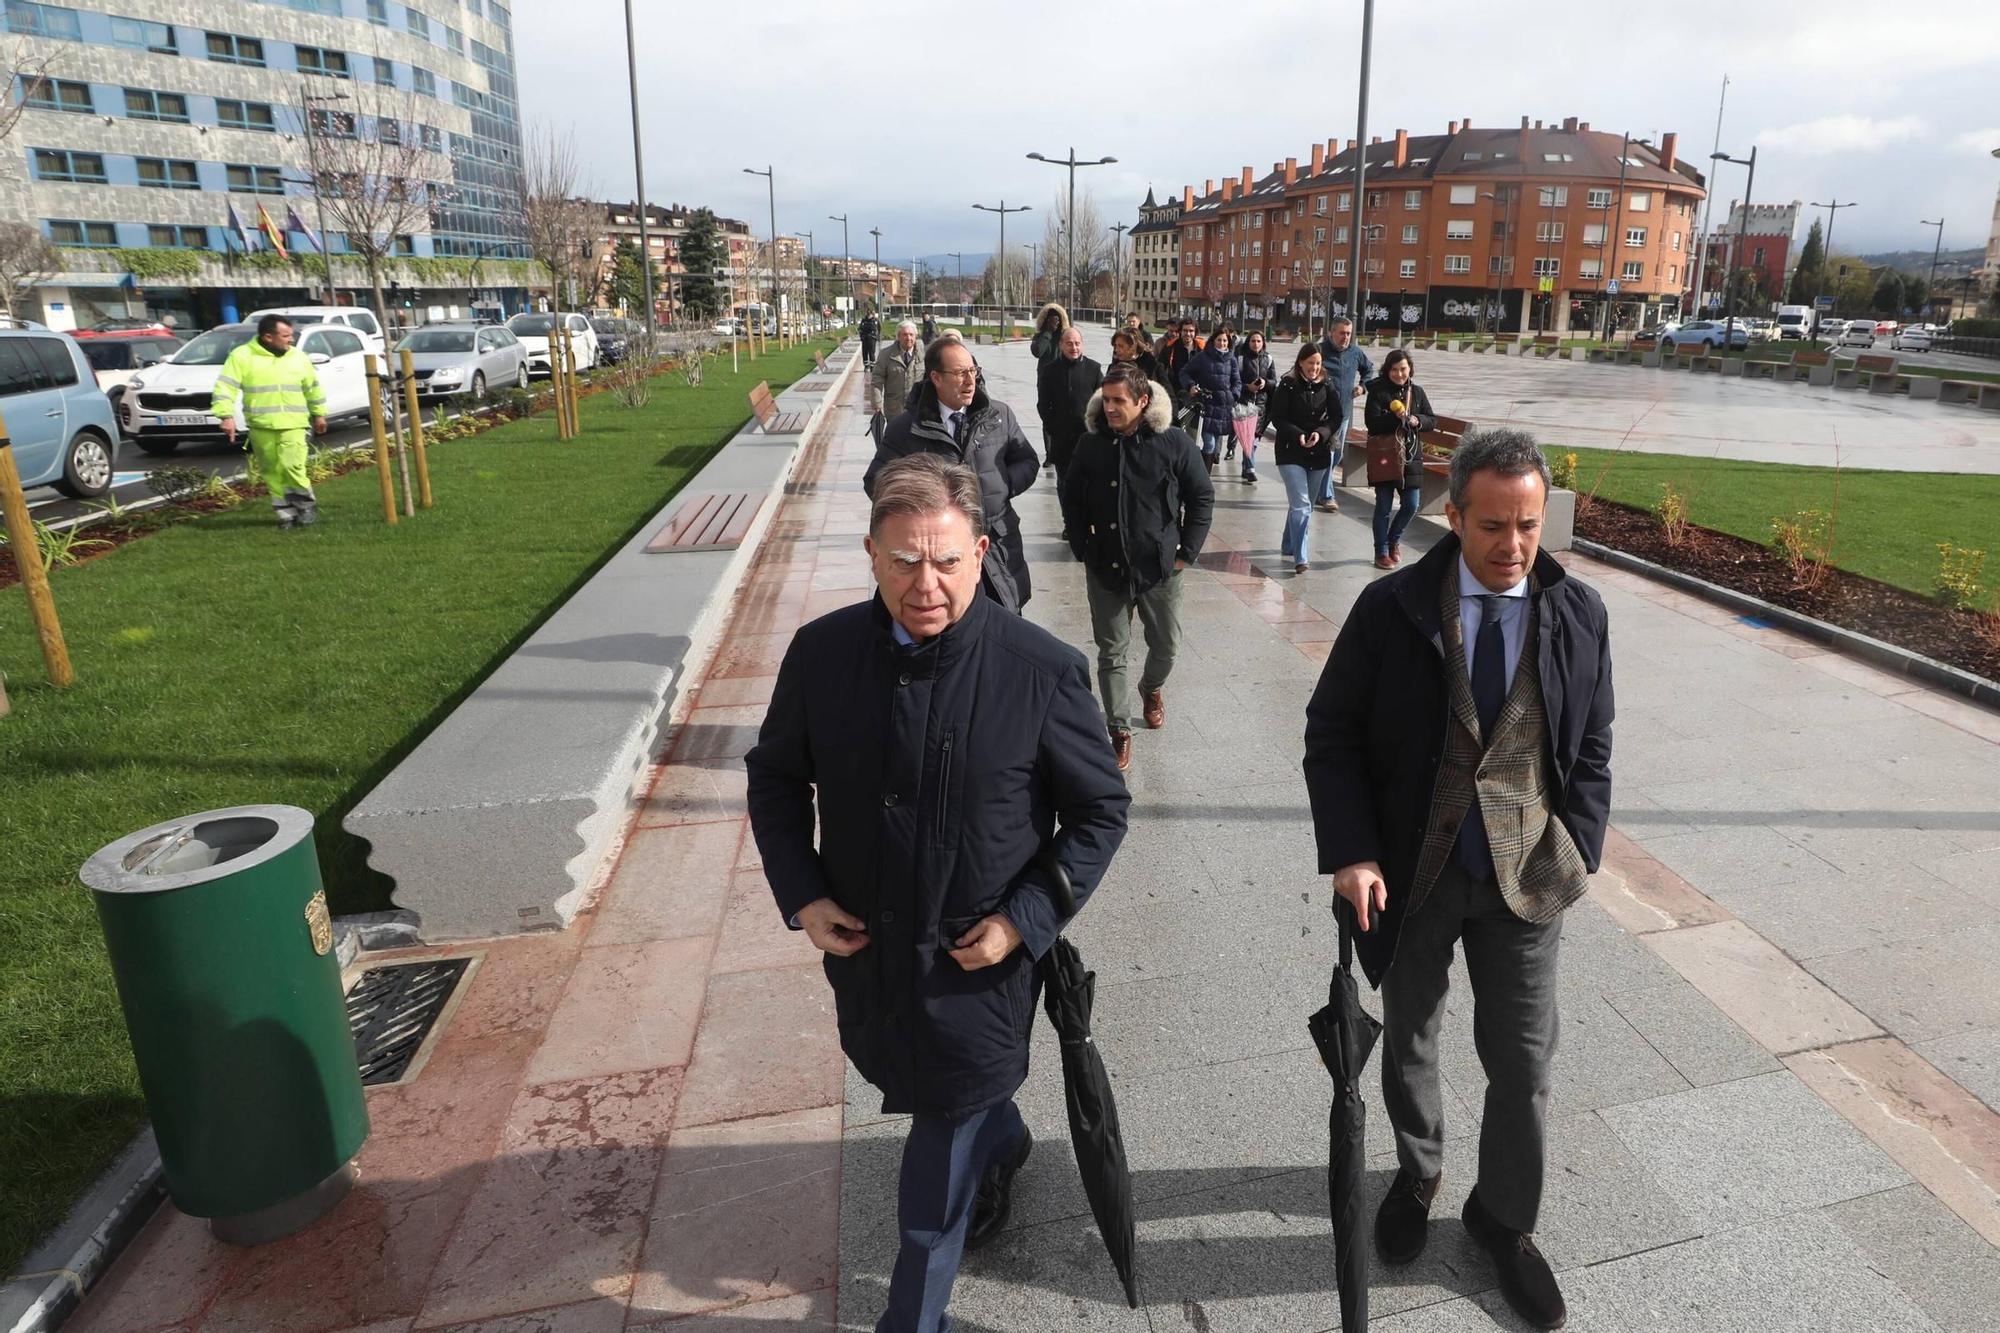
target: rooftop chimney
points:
(1207, 188)
(1319, 157)
(1187, 198)
(1332, 147)
(1524, 122)
(1569, 124)
(1291, 171)
(1538, 124)
(1228, 189)
(1668, 142)
(1374, 138)
(1583, 125)
(1453, 129)
(1244, 188)
(1349, 148)
(1402, 148)
(1465, 124)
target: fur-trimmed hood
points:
(1043, 314)
(1159, 410)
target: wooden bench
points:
(1951, 391)
(1438, 444)
(1766, 370)
(1692, 356)
(1815, 368)
(1547, 345)
(769, 418)
(1871, 371)
(716, 521)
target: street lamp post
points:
(1069, 220)
(1355, 311)
(1002, 209)
(319, 199)
(1931, 281)
(1826, 256)
(1118, 269)
(1742, 229)
(639, 172)
(771, 181)
(876, 232)
(810, 296)
(1034, 250)
(846, 262)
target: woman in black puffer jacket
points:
(1307, 418)
(1254, 368)
(1397, 413)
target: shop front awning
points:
(85, 280)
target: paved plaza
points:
(1775, 1087)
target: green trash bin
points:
(221, 944)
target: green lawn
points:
(222, 662)
(1888, 524)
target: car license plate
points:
(184, 419)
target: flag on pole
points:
(238, 230)
(293, 222)
(270, 230)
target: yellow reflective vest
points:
(277, 392)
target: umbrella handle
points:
(1343, 913)
(1059, 882)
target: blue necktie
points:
(1489, 695)
(957, 424)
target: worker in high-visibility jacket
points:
(280, 393)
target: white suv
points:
(533, 330)
(345, 316)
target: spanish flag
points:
(271, 232)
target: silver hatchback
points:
(469, 359)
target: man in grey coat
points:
(952, 415)
(895, 371)
(1348, 370)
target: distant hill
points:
(1919, 261)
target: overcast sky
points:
(903, 115)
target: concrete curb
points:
(500, 821)
(58, 1272)
(1901, 661)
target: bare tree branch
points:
(562, 226)
(26, 258)
(17, 63)
(1093, 246)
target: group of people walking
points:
(935, 793)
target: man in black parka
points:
(948, 747)
(1458, 759)
(952, 415)
(1063, 389)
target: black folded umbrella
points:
(1069, 991)
(1345, 1034)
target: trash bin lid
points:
(199, 848)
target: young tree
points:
(562, 228)
(26, 258)
(1888, 297)
(1806, 278)
(702, 254)
(377, 179)
(1093, 247)
(1003, 280)
(628, 281)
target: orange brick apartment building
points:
(1461, 229)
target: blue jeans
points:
(1323, 490)
(1388, 531)
(943, 1160)
(1212, 441)
(1300, 487)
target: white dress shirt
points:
(1513, 617)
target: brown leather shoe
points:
(1384, 562)
(1402, 1223)
(1121, 747)
(1156, 707)
(1395, 553)
(1328, 506)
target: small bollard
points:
(417, 430)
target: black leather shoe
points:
(1402, 1223)
(1525, 1279)
(995, 1200)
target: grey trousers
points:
(1512, 965)
(1111, 611)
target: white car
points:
(1830, 328)
(168, 403)
(1858, 333)
(1916, 338)
(533, 331)
(341, 316)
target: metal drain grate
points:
(393, 1008)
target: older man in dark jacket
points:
(1063, 388)
(1458, 757)
(953, 416)
(1348, 370)
(949, 750)
(1137, 503)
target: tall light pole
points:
(1742, 228)
(1002, 209)
(1118, 268)
(1069, 220)
(1708, 206)
(1826, 257)
(846, 261)
(1355, 311)
(805, 277)
(771, 181)
(876, 232)
(1931, 281)
(1034, 250)
(639, 173)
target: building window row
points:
(60, 164)
(57, 95)
(157, 173)
(149, 104)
